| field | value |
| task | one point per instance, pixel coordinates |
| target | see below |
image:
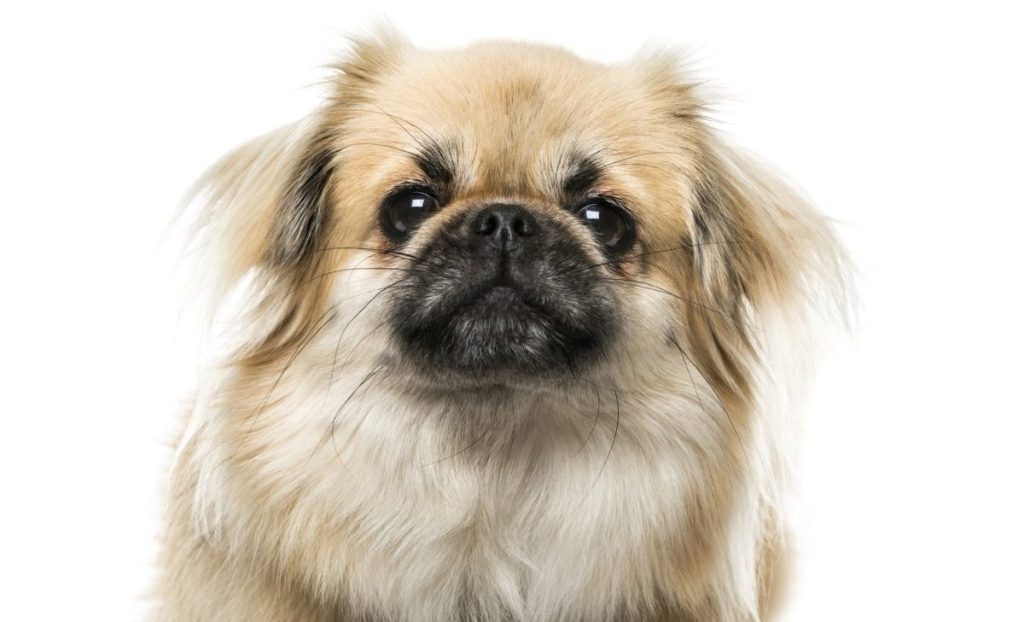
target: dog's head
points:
(512, 215)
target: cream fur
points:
(311, 482)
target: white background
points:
(901, 120)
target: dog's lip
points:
(501, 294)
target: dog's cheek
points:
(650, 320)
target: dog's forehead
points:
(507, 85)
(514, 112)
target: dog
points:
(513, 336)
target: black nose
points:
(504, 225)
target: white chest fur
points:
(547, 505)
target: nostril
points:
(522, 226)
(487, 225)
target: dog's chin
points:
(499, 335)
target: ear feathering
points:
(261, 217)
(759, 249)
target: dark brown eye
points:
(610, 223)
(407, 210)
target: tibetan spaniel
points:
(514, 336)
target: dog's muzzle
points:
(503, 289)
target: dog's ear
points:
(746, 231)
(756, 241)
(239, 204)
(267, 205)
(264, 214)
(304, 214)
(756, 247)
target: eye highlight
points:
(406, 210)
(611, 225)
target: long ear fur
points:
(263, 213)
(759, 250)
(303, 212)
(237, 203)
(782, 245)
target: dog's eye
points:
(610, 223)
(407, 210)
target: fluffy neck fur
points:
(628, 496)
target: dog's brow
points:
(437, 161)
(583, 175)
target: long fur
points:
(316, 478)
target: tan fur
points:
(309, 485)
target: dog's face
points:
(518, 215)
(496, 196)
(516, 200)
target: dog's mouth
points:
(499, 298)
(499, 327)
(489, 316)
